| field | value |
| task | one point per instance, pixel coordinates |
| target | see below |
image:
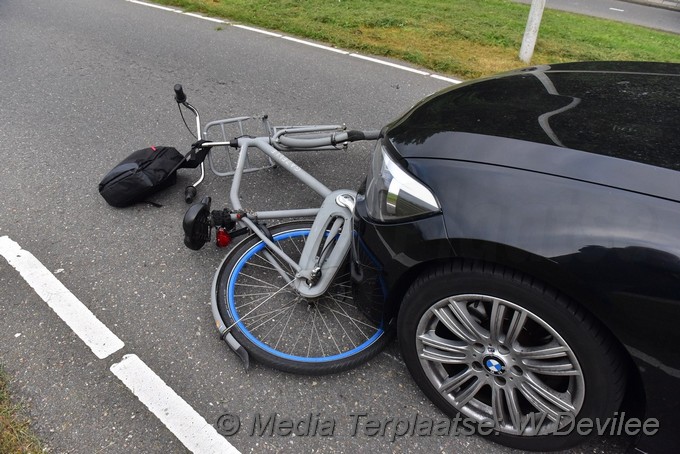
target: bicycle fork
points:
(325, 250)
(327, 244)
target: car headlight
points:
(392, 194)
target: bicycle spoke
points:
(267, 284)
(330, 333)
(311, 334)
(294, 243)
(254, 294)
(345, 314)
(342, 326)
(284, 328)
(295, 256)
(350, 305)
(355, 321)
(281, 311)
(257, 265)
(299, 336)
(266, 316)
(255, 301)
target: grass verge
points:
(466, 38)
(15, 434)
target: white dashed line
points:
(183, 421)
(619, 10)
(75, 314)
(177, 415)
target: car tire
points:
(506, 352)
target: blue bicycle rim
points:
(232, 282)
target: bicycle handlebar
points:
(333, 139)
(300, 142)
(180, 97)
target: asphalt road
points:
(621, 11)
(84, 83)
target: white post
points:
(531, 32)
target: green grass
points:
(15, 434)
(465, 38)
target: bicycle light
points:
(222, 237)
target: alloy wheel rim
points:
(498, 363)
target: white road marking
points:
(164, 8)
(320, 46)
(177, 415)
(616, 9)
(75, 314)
(306, 43)
(393, 65)
(211, 19)
(445, 79)
(183, 421)
(257, 30)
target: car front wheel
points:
(509, 354)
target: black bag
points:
(141, 174)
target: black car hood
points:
(568, 119)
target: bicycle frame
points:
(330, 236)
(313, 274)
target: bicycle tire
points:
(324, 335)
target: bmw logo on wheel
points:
(494, 365)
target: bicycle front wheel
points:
(280, 328)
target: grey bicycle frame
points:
(313, 273)
(330, 236)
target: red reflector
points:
(222, 237)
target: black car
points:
(524, 230)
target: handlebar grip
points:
(180, 97)
(353, 136)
